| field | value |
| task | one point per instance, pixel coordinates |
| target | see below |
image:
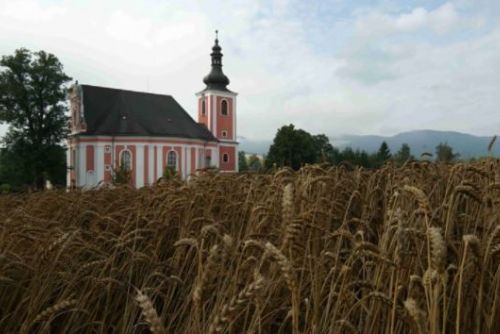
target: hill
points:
(420, 141)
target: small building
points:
(147, 133)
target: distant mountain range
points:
(420, 141)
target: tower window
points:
(225, 157)
(223, 107)
(172, 160)
(203, 111)
(126, 160)
(224, 133)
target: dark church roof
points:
(113, 112)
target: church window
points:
(203, 111)
(225, 157)
(224, 133)
(126, 160)
(223, 107)
(172, 160)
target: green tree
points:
(242, 161)
(32, 95)
(444, 153)
(254, 163)
(403, 155)
(383, 155)
(291, 147)
(324, 151)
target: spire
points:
(216, 78)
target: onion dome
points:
(216, 79)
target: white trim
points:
(217, 92)
(154, 140)
(139, 163)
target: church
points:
(147, 133)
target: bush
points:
(5, 188)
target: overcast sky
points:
(376, 67)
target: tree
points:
(403, 155)
(324, 151)
(444, 153)
(242, 161)
(291, 147)
(383, 155)
(32, 95)
(254, 163)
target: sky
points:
(332, 66)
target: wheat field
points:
(412, 249)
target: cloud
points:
(30, 10)
(327, 66)
(440, 20)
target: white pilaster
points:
(68, 164)
(214, 115)
(234, 119)
(188, 160)
(99, 163)
(183, 162)
(139, 166)
(159, 164)
(151, 164)
(215, 157)
(81, 165)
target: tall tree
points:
(32, 94)
(242, 161)
(444, 153)
(291, 147)
(383, 154)
(403, 155)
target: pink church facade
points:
(147, 133)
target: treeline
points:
(294, 148)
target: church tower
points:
(217, 110)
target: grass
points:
(414, 249)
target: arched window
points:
(224, 133)
(225, 157)
(126, 160)
(203, 111)
(223, 107)
(172, 160)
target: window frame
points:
(225, 158)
